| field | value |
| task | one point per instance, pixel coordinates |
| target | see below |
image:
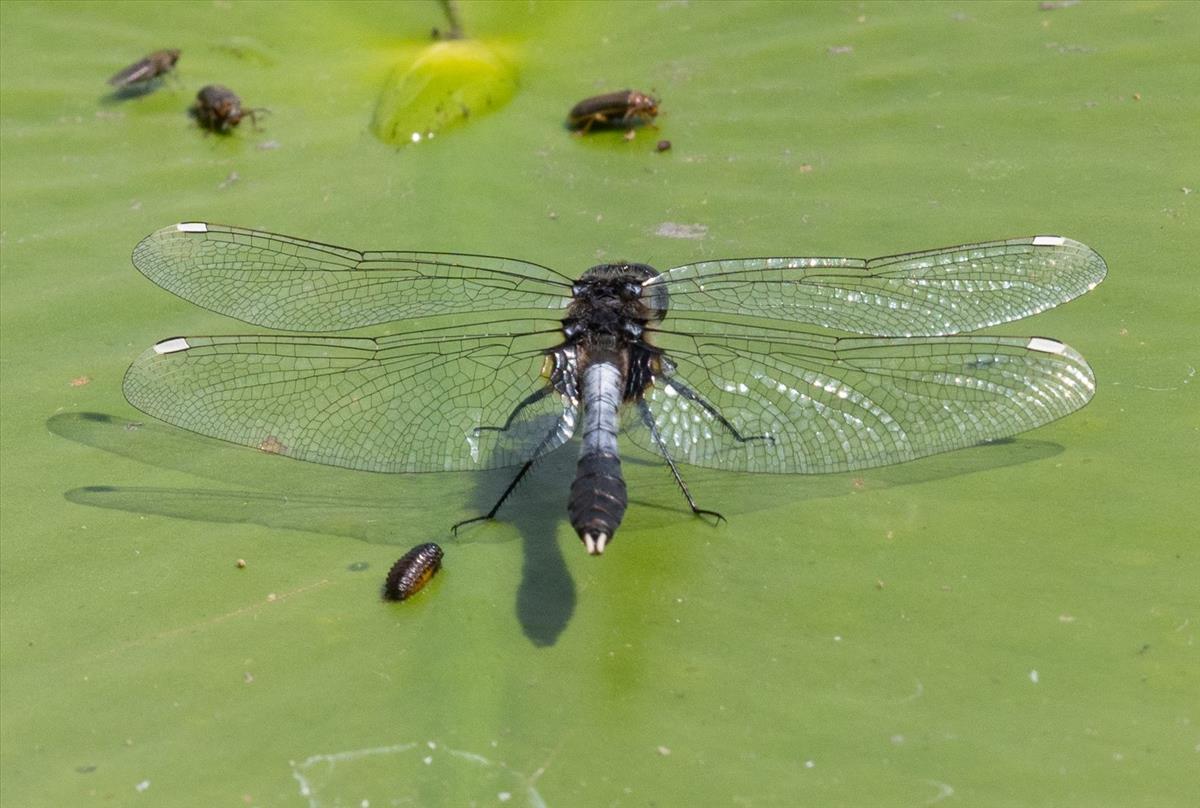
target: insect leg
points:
(636, 116)
(594, 118)
(692, 395)
(532, 398)
(255, 112)
(648, 420)
(537, 455)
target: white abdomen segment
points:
(598, 496)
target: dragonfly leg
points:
(554, 433)
(492, 513)
(692, 395)
(648, 420)
(532, 398)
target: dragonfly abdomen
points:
(598, 496)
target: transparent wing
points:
(138, 71)
(946, 291)
(401, 403)
(818, 404)
(296, 285)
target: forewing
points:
(296, 285)
(935, 292)
(816, 404)
(406, 403)
(138, 71)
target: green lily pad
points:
(445, 85)
(841, 640)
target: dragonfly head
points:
(624, 290)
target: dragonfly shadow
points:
(383, 508)
(375, 508)
(273, 492)
(546, 596)
(745, 494)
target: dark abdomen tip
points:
(598, 500)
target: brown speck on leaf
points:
(1137, 96)
(80, 381)
(272, 445)
(241, 563)
(663, 145)
(806, 168)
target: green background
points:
(863, 639)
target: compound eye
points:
(656, 299)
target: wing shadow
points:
(375, 508)
(369, 507)
(745, 494)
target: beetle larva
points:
(414, 569)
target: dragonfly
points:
(786, 365)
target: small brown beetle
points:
(156, 64)
(622, 108)
(412, 571)
(219, 109)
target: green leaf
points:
(445, 85)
